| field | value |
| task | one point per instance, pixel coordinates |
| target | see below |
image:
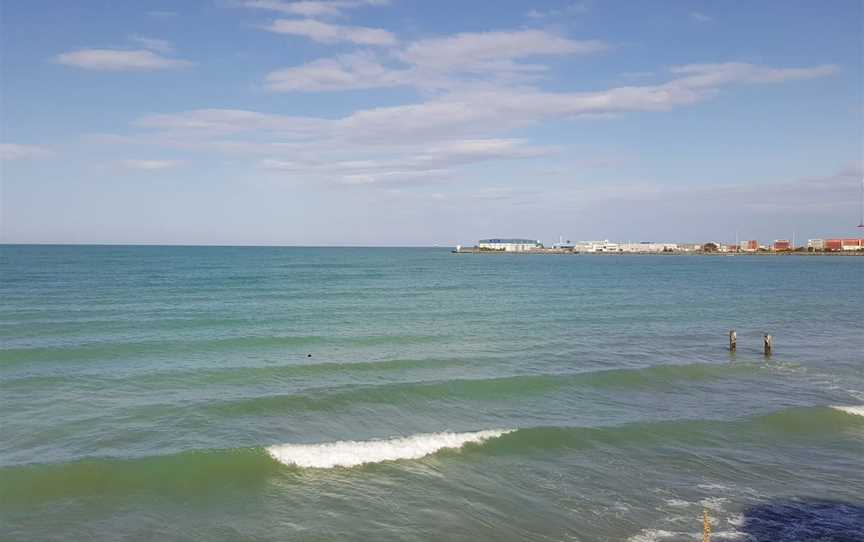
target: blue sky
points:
(409, 122)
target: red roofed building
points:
(835, 245)
(781, 245)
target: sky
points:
(417, 122)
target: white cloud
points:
(637, 75)
(118, 60)
(431, 139)
(332, 33)
(224, 121)
(476, 113)
(149, 165)
(473, 58)
(311, 8)
(353, 71)
(307, 9)
(161, 46)
(712, 75)
(484, 50)
(407, 164)
(576, 8)
(700, 17)
(14, 151)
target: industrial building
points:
(509, 245)
(597, 246)
(532, 246)
(835, 245)
(648, 247)
(781, 245)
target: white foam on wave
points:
(652, 535)
(855, 410)
(350, 453)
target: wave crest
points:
(855, 410)
(350, 453)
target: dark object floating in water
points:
(308, 355)
(804, 521)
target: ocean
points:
(250, 393)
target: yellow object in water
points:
(706, 527)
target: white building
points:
(563, 245)
(646, 247)
(816, 244)
(597, 246)
(509, 245)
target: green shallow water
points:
(170, 393)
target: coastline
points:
(556, 252)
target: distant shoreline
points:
(451, 248)
(711, 254)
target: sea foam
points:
(855, 410)
(349, 453)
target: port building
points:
(509, 245)
(647, 247)
(835, 245)
(597, 246)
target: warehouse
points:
(509, 245)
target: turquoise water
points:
(179, 393)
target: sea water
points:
(214, 393)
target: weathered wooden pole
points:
(706, 526)
(767, 344)
(733, 340)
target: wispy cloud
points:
(711, 75)
(311, 8)
(15, 151)
(225, 121)
(332, 33)
(485, 50)
(637, 75)
(149, 165)
(161, 46)
(485, 110)
(162, 14)
(479, 112)
(430, 140)
(435, 62)
(119, 60)
(700, 17)
(575, 8)
(411, 164)
(352, 71)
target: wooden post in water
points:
(706, 527)
(733, 340)
(767, 344)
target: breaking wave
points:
(855, 410)
(350, 453)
